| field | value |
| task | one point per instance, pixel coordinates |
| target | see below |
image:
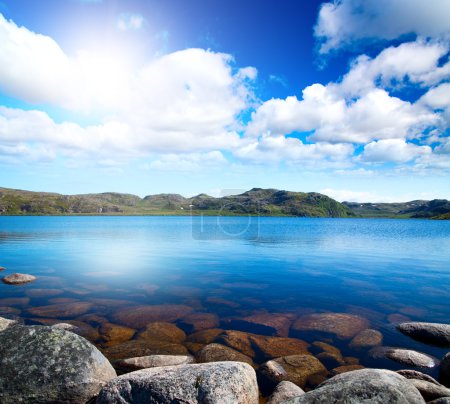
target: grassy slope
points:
(253, 202)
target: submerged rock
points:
(330, 360)
(9, 311)
(406, 357)
(139, 316)
(324, 347)
(205, 336)
(366, 339)
(18, 279)
(302, 370)
(151, 361)
(114, 334)
(345, 368)
(162, 331)
(430, 333)
(218, 353)
(342, 325)
(63, 310)
(220, 382)
(134, 348)
(238, 340)
(44, 364)
(43, 292)
(284, 391)
(264, 323)
(199, 321)
(373, 386)
(78, 327)
(15, 301)
(275, 347)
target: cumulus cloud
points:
(393, 150)
(345, 22)
(187, 162)
(346, 195)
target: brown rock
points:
(114, 334)
(18, 279)
(302, 370)
(275, 347)
(61, 310)
(330, 360)
(193, 347)
(415, 374)
(366, 339)
(43, 292)
(162, 331)
(199, 321)
(397, 318)
(134, 348)
(238, 340)
(350, 360)
(324, 347)
(58, 300)
(5, 310)
(219, 353)
(140, 316)
(264, 323)
(78, 327)
(2, 269)
(222, 302)
(112, 303)
(93, 319)
(205, 336)
(342, 325)
(345, 369)
(15, 301)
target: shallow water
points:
(237, 266)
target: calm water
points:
(372, 267)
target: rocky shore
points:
(159, 363)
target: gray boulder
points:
(443, 400)
(374, 386)
(284, 391)
(444, 376)
(430, 333)
(415, 374)
(43, 364)
(430, 391)
(406, 357)
(151, 361)
(5, 323)
(209, 383)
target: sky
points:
(350, 98)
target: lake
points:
(230, 268)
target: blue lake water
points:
(237, 266)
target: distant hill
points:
(256, 201)
(267, 202)
(435, 209)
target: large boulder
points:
(430, 333)
(6, 323)
(343, 325)
(373, 386)
(219, 382)
(430, 391)
(44, 364)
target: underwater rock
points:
(134, 348)
(44, 364)
(330, 360)
(15, 301)
(114, 334)
(43, 292)
(275, 347)
(302, 370)
(162, 331)
(18, 279)
(62, 310)
(263, 323)
(238, 340)
(344, 369)
(343, 325)
(199, 321)
(219, 382)
(219, 353)
(139, 316)
(9, 311)
(366, 339)
(205, 336)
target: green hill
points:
(256, 201)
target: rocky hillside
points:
(256, 201)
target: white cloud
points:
(393, 150)
(130, 22)
(187, 162)
(345, 22)
(346, 195)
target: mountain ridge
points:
(256, 201)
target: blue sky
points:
(350, 98)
